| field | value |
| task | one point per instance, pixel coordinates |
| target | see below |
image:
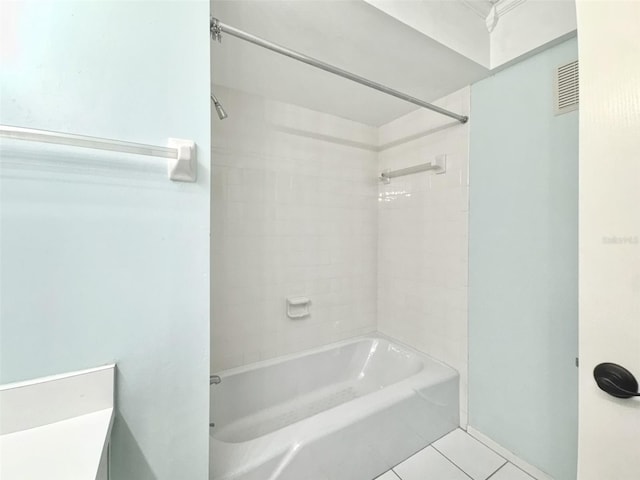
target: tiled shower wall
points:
(423, 237)
(294, 213)
(298, 210)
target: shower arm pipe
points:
(218, 28)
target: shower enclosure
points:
(322, 375)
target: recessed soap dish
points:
(298, 307)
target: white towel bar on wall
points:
(439, 165)
(181, 154)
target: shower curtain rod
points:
(218, 28)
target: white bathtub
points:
(347, 411)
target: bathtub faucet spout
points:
(214, 380)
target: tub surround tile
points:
(475, 458)
(429, 464)
(294, 213)
(510, 472)
(423, 239)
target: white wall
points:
(524, 27)
(102, 259)
(453, 24)
(294, 213)
(422, 235)
(609, 428)
(523, 264)
(530, 26)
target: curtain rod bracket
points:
(215, 29)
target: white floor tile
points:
(388, 476)
(428, 464)
(475, 458)
(510, 472)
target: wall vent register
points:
(567, 88)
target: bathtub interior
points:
(275, 420)
(251, 402)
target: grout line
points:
(490, 449)
(416, 136)
(506, 460)
(511, 457)
(514, 465)
(490, 476)
(526, 473)
(418, 451)
(424, 448)
(499, 468)
(452, 462)
(323, 137)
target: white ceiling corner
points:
(480, 7)
(505, 6)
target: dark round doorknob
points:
(616, 380)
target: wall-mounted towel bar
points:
(181, 154)
(439, 165)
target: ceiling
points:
(350, 34)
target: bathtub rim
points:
(299, 434)
(375, 335)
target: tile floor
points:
(456, 456)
